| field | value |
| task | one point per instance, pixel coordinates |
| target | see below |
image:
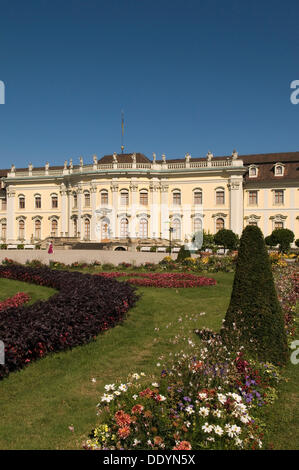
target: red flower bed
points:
(19, 299)
(163, 279)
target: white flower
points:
(109, 387)
(123, 388)
(189, 410)
(162, 398)
(203, 411)
(136, 376)
(107, 397)
(217, 413)
(238, 442)
(218, 430)
(155, 384)
(136, 442)
(117, 393)
(221, 398)
(93, 380)
(158, 364)
(135, 397)
(207, 428)
(202, 396)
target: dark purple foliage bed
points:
(84, 306)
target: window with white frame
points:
(197, 224)
(176, 197)
(104, 197)
(143, 228)
(75, 201)
(252, 198)
(3, 229)
(86, 229)
(54, 228)
(143, 198)
(38, 229)
(279, 169)
(278, 224)
(21, 202)
(220, 196)
(176, 226)
(278, 196)
(253, 171)
(197, 196)
(124, 198)
(21, 229)
(86, 199)
(124, 227)
(37, 201)
(54, 200)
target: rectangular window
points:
(176, 199)
(38, 202)
(124, 199)
(143, 199)
(278, 225)
(220, 197)
(54, 202)
(252, 197)
(104, 198)
(278, 196)
(87, 200)
(4, 205)
(198, 197)
(21, 203)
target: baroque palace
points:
(123, 197)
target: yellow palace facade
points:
(129, 196)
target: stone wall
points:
(84, 256)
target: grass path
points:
(39, 403)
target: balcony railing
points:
(189, 166)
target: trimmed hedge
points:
(84, 306)
(254, 315)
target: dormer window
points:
(253, 171)
(279, 169)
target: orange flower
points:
(122, 419)
(124, 432)
(158, 440)
(137, 409)
(183, 445)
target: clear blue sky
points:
(191, 76)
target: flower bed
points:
(16, 301)
(84, 306)
(162, 279)
(209, 397)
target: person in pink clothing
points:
(50, 250)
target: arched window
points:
(38, 229)
(176, 234)
(197, 224)
(143, 198)
(86, 229)
(253, 170)
(124, 227)
(219, 224)
(21, 229)
(86, 199)
(197, 196)
(220, 199)
(3, 230)
(143, 228)
(54, 228)
(21, 202)
(124, 198)
(176, 197)
(104, 197)
(54, 199)
(38, 201)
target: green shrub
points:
(3, 246)
(183, 254)
(297, 242)
(20, 246)
(226, 238)
(254, 317)
(282, 237)
(153, 249)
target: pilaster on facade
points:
(93, 192)
(164, 211)
(235, 187)
(114, 221)
(10, 214)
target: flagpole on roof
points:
(122, 131)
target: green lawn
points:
(39, 403)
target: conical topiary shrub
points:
(254, 316)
